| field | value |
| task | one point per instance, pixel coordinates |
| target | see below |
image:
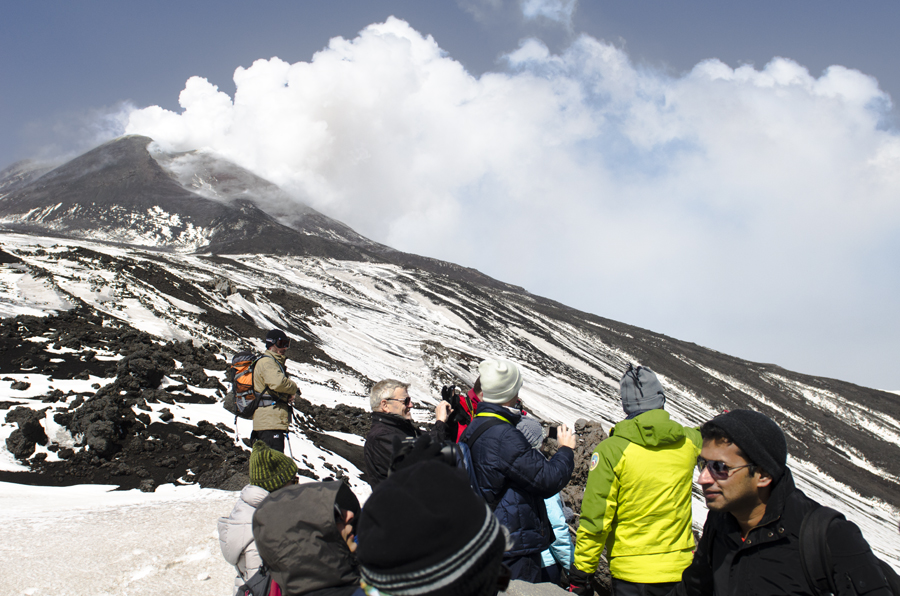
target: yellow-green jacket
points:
(269, 372)
(637, 500)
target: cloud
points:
(736, 207)
(560, 11)
(553, 11)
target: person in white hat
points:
(513, 477)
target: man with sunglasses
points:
(637, 500)
(751, 539)
(272, 418)
(392, 417)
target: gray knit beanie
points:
(641, 391)
(532, 430)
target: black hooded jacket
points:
(768, 561)
(298, 539)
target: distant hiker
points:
(513, 477)
(425, 532)
(560, 554)
(391, 417)
(637, 500)
(270, 470)
(273, 416)
(306, 536)
(751, 541)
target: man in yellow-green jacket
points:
(637, 501)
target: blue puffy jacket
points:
(508, 469)
(562, 550)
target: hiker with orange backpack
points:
(273, 415)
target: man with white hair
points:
(513, 477)
(392, 417)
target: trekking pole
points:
(287, 435)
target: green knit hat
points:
(270, 469)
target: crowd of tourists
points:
(473, 503)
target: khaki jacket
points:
(270, 372)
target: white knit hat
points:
(500, 380)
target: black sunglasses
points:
(717, 469)
(406, 401)
(283, 343)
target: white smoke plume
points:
(740, 208)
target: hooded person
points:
(424, 532)
(270, 470)
(513, 477)
(637, 500)
(305, 535)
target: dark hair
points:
(477, 387)
(711, 432)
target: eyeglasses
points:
(283, 343)
(717, 469)
(406, 401)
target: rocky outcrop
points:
(21, 443)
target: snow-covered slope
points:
(357, 322)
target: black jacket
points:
(768, 561)
(379, 443)
(517, 478)
(379, 448)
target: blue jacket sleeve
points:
(562, 549)
(532, 472)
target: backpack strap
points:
(483, 427)
(259, 584)
(815, 556)
(469, 407)
(267, 389)
(490, 420)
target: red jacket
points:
(468, 402)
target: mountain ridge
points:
(357, 320)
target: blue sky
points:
(723, 173)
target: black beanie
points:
(758, 436)
(424, 531)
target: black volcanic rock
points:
(21, 442)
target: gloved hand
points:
(580, 582)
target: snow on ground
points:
(92, 540)
(375, 319)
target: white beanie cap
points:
(500, 380)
